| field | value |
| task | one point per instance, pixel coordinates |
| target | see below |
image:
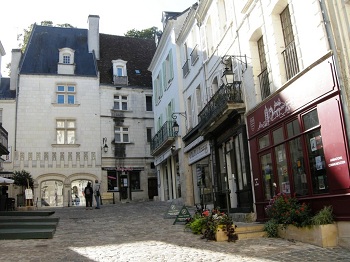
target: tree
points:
(23, 179)
(148, 33)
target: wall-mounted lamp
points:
(172, 148)
(104, 142)
(227, 76)
(175, 124)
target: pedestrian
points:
(97, 193)
(88, 191)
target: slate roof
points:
(41, 54)
(5, 92)
(136, 51)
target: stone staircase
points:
(27, 224)
(246, 227)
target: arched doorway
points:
(77, 188)
(51, 193)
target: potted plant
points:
(24, 180)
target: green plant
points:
(271, 228)
(286, 210)
(323, 217)
(196, 224)
(23, 179)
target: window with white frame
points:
(169, 68)
(120, 102)
(121, 134)
(65, 131)
(66, 58)
(65, 94)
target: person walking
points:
(88, 191)
(97, 193)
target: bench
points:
(107, 198)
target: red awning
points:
(112, 177)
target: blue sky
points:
(116, 16)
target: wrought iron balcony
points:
(227, 99)
(120, 80)
(290, 60)
(264, 84)
(3, 141)
(163, 139)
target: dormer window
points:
(120, 76)
(66, 64)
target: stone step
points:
(33, 225)
(249, 230)
(28, 219)
(26, 213)
(26, 233)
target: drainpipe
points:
(331, 43)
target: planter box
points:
(220, 234)
(323, 235)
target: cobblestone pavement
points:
(139, 232)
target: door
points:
(152, 188)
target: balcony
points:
(120, 80)
(290, 60)
(3, 141)
(163, 139)
(225, 101)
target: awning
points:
(6, 181)
(112, 177)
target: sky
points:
(116, 16)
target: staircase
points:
(249, 230)
(27, 224)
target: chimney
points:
(94, 35)
(15, 59)
(2, 53)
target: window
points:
(149, 135)
(65, 131)
(121, 134)
(149, 106)
(263, 76)
(65, 94)
(120, 103)
(169, 68)
(119, 71)
(135, 180)
(66, 59)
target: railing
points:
(290, 60)
(120, 80)
(194, 55)
(217, 104)
(264, 84)
(165, 132)
(185, 69)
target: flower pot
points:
(220, 234)
(322, 235)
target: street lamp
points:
(175, 124)
(104, 147)
(227, 76)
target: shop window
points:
(112, 180)
(310, 120)
(293, 128)
(268, 179)
(282, 169)
(298, 167)
(264, 141)
(135, 180)
(317, 162)
(278, 136)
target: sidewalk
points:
(139, 232)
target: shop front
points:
(298, 143)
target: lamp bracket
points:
(174, 115)
(226, 60)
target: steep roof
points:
(136, 51)
(42, 52)
(5, 92)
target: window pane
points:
(60, 99)
(293, 128)
(119, 71)
(60, 124)
(116, 105)
(70, 99)
(282, 169)
(70, 124)
(60, 88)
(310, 119)
(71, 137)
(60, 136)
(124, 106)
(117, 137)
(125, 138)
(278, 136)
(298, 167)
(264, 141)
(267, 175)
(125, 129)
(317, 162)
(71, 89)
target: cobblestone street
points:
(139, 232)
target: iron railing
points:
(120, 80)
(164, 134)
(264, 84)
(290, 60)
(230, 93)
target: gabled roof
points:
(136, 51)
(5, 92)
(42, 52)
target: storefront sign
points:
(199, 152)
(162, 157)
(308, 87)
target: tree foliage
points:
(23, 179)
(148, 33)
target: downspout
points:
(336, 60)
